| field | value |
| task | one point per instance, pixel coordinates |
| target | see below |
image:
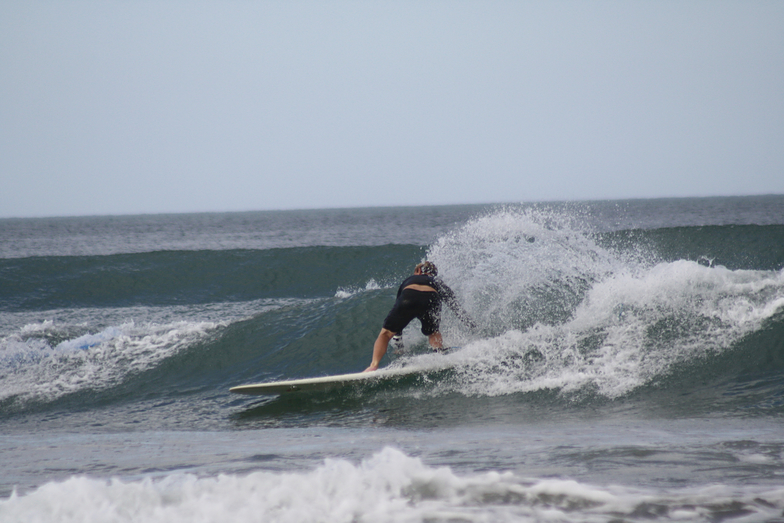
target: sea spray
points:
(516, 267)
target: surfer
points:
(419, 296)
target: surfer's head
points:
(427, 268)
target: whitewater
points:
(628, 365)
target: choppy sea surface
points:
(629, 365)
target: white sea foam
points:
(388, 487)
(34, 365)
(619, 321)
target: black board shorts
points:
(423, 305)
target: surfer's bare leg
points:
(380, 348)
(436, 341)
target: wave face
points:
(191, 277)
(687, 318)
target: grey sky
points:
(117, 107)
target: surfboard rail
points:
(321, 382)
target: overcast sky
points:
(125, 107)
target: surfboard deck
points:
(321, 383)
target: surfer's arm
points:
(463, 315)
(448, 296)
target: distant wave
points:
(187, 277)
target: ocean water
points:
(629, 365)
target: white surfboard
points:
(323, 382)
